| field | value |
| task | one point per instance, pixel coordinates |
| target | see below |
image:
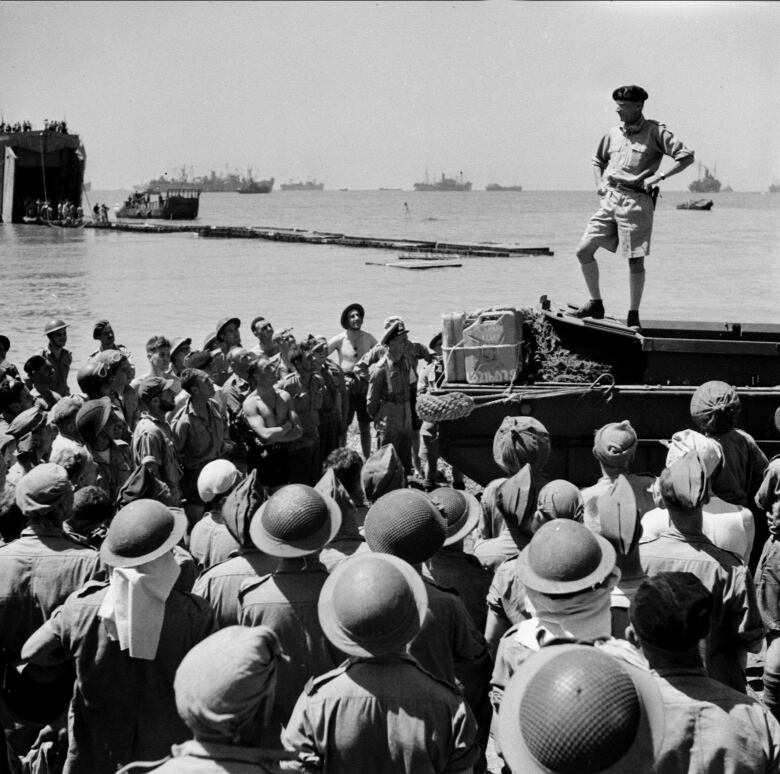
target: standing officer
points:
(626, 164)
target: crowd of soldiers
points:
(60, 127)
(66, 211)
(201, 572)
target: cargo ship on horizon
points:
(309, 185)
(444, 184)
(706, 183)
(497, 187)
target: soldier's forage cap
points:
(43, 489)
(26, 421)
(631, 93)
(394, 331)
(152, 387)
(216, 478)
(709, 450)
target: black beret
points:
(34, 364)
(630, 93)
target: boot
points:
(594, 308)
(632, 320)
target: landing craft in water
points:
(444, 184)
(39, 165)
(170, 204)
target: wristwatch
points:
(663, 176)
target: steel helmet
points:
(461, 512)
(91, 377)
(92, 418)
(372, 604)
(406, 524)
(564, 557)
(296, 520)
(140, 532)
(574, 708)
(54, 325)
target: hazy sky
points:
(371, 94)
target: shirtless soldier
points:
(270, 414)
(351, 346)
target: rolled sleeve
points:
(671, 146)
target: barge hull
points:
(572, 414)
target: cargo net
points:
(549, 361)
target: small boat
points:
(169, 204)
(696, 204)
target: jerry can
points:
(491, 347)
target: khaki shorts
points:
(624, 221)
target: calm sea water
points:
(722, 265)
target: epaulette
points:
(315, 682)
(90, 587)
(251, 585)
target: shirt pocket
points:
(637, 155)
